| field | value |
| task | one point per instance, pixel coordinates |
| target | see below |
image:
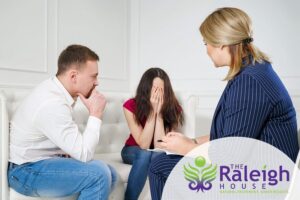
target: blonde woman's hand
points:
(177, 143)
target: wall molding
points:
(134, 42)
(16, 86)
(23, 69)
(31, 68)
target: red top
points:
(131, 106)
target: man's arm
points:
(54, 119)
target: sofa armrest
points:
(189, 105)
(4, 128)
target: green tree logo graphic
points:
(200, 176)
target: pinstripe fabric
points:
(254, 104)
(159, 170)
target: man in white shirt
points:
(42, 131)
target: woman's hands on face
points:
(157, 99)
(160, 100)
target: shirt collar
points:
(247, 60)
(69, 98)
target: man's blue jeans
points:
(59, 177)
(140, 160)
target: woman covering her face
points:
(152, 113)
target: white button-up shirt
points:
(43, 127)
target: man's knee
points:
(99, 171)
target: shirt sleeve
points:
(130, 105)
(247, 107)
(55, 120)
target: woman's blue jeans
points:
(140, 160)
(59, 177)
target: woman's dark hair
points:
(172, 113)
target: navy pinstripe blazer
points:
(256, 104)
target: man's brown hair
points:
(75, 55)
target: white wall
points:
(131, 36)
(34, 32)
(166, 35)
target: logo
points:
(231, 168)
(200, 176)
(241, 177)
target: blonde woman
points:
(254, 104)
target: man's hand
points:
(95, 103)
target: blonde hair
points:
(232, 27)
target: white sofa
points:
(114, 132)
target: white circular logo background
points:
(231, 168)
(294, 190)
